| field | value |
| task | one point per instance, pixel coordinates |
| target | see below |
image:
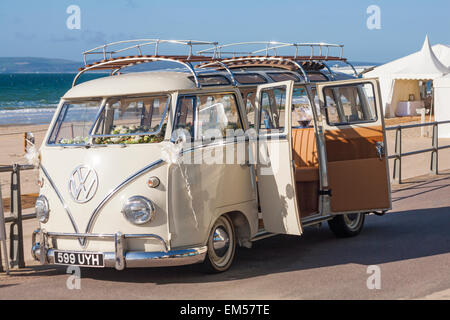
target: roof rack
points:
(110, 60)
(271, 48)
(216, 55)
(107, 51)
(251, 55)
(257, 61)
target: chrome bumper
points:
(120, 259)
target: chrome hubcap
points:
(352, 220)
(221, 242)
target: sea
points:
(32, 98)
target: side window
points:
(184, 118)
(217, 112)
(302, 115)
(272, 114)
(350, 104)
(333, 113)
(250, 108)
(203, 115)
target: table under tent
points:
(407, 83)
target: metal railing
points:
(399, 154)
(16, 253)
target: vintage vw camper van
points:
(180, 166)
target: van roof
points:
(132, 84)
(157, 81)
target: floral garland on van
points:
(132, 138)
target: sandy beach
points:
(12, 151)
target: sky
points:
(39, 29)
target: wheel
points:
(221, 246)
(347, 225)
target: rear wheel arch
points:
(242, 228)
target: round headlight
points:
(42, 209)
(138, 210)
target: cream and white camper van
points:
(181, 165)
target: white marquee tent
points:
(442, 91)
(400, 78)
(442, 52)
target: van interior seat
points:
(305, 155)
(306, 170)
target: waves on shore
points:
(26, 116)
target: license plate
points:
(88, 259)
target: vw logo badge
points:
(83, 183)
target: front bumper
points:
(120, 259)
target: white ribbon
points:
(32, 156)
(171, 153)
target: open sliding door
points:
(355, 141)
(276, 183)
